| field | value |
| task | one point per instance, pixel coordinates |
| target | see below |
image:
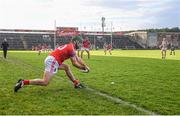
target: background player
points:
(78, 47)
(172, 48)
(86, 47)
(109, 48)
(54, 62)
(163, 47)
(105, 48)
(5, 46)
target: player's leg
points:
(43, 82)
(162, 54)
(82, 53)
(51, 67)
(70, 75)
(110, 52)
(5, 53)
(105, 51)
(68, 71)
(173, 51)
(78, 53)
(88, 54)
(170, 52)
(39, 52)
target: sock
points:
(75, 82)
(26, 82)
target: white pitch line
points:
(118, 100)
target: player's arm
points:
(80, 61)
(160, 46)
(78, 64)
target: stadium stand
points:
(26, 39)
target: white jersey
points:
(164, 45)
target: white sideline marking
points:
(114, 99)
(118, 100)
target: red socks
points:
(75, 82)
(26, 82)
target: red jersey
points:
(63, 53)
(86, 44)
(39, 47)
(109, 46)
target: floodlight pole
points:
(54, 34)
(111, 32)
(94, 40)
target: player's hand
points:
(87, 68)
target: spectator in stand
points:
(5, 46)
(86, 47)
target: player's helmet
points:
(76, 38)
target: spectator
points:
(5, 46)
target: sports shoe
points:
(18, 85)
(79, 86)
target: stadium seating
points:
(25, 41)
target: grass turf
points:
(139, 77)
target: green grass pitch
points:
(140, 77)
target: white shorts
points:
(164, 49)
(51, 65)
(86, 49)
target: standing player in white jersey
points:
(164, 46)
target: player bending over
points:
(163, 47)
(53, 62)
